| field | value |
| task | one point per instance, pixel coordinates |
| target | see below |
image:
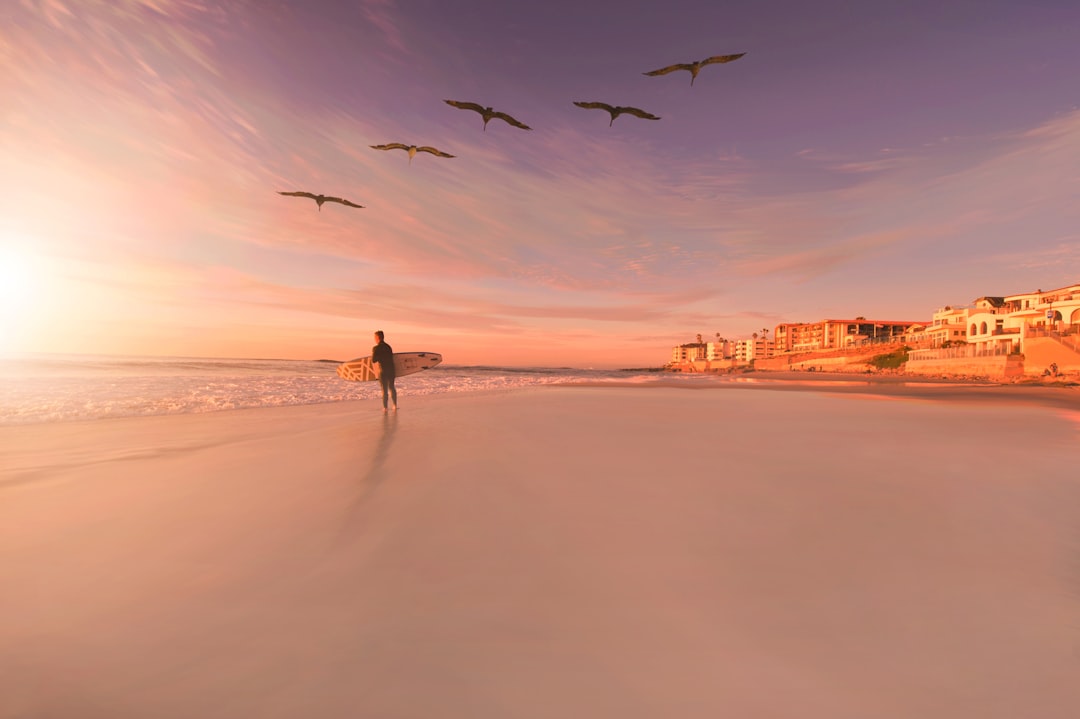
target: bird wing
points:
(595, 106)
(465, 105)
(343, 202)
(297, 194)
(722, 58)
(390, 146)
(516, 123)
(433, 151)
(638, 113)
(669, 68)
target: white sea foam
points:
(63, 388)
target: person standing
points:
(382, 361)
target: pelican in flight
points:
(695, 67)
(487, 113)
(411, 149)
(320, 199)
(616, 110)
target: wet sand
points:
(1057, 392)
(558, 551)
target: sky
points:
(876, 159)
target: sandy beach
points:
(762, 550)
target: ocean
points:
(60, 388)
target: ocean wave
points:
(62, 388)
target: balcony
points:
(964, 351)
(1070, 336)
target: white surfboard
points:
(361, 370)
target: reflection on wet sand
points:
(1070, 415)
(382, 451)
(375, 473)
(811, 384)
(922, 389)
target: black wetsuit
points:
(383, 354)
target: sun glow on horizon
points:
(22, 287)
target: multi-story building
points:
(986, 322)
(753, 348)
(836, 334)
(1059, 309)
(690, 352)
(916, 335)
(990, 325)
(1055, 309)
(719, 350)
(948, 325)
(738, 350)
(1001, 323)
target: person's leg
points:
(385, 384)
(393, 394)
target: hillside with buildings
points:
(995, 336)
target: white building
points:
(1001, 323)
(690, 352)
(753, 348)
(949, 324)
(719, 350)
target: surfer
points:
(382, 357)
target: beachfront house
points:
(1056, 310)
(992, 326)
(1002, 323)
(1042, 326)
(948, 327)
(916, 335)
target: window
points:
(982, 328)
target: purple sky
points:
(876, 159)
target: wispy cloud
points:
(1062, 256)
(139, 132)
(381, 14)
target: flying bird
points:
(411, 149)
(487, 113)
(320, 199)
(695, 67)
(616, 110)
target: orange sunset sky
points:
(861, 159)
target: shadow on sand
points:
(374, 475)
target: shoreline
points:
(1062, 380)
(1050, 393)
(894, 385)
